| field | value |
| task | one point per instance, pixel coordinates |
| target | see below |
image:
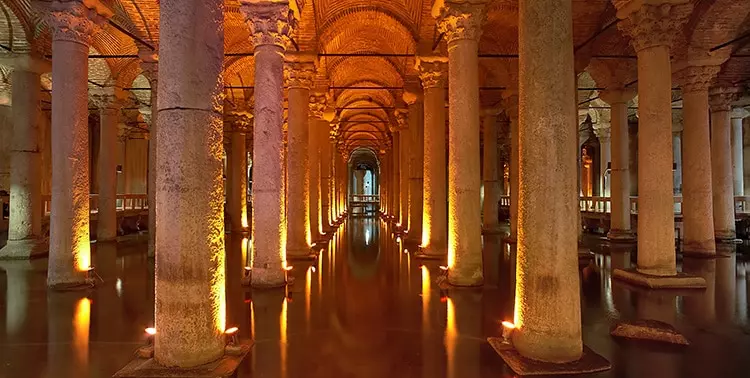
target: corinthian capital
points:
(460, 19)
(318, 105)
(696, 78)
(652, 23)
(433, 71)
(271, 22)
(402, 118)
(77, 20)
(108, 98)
(239, 121)
(721, 98)
(299, 70)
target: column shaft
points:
(396, 177)
(737, 163)
(490, 175)
(107, 204)
(405, 147)
(298, 175)
(325, 179)
(237, 201)
(313, 157)
(721, 173)
(513, 212)
(416, 167)
(620, 191)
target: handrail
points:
(371, 198)
(123, 202)
(603, 205)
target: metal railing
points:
(603, 205)
(364, 198)
(124, 202)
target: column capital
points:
(617, 96)
(299, 70)
(108, 98)
(77, 20)
(402, 120)
(318, 105)
(460, 19)
(721, 98)
(510, 104)
(433, 71)
(238, 122)
(696, 78)
(27, 63)
(740, 113)
(603, 131)
(149, 65)
(271, 22)
(651, 23)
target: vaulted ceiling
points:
(367, 49)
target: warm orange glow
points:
(426, 224)
(245, 262)
(509, 325)
(451, 256)
(308, 294)
(151, 331)
(451, 336)
(231, 331)
(283, 320)
(443, 267)
(82, 255)
(218, 287)
(288, 267)
(81, 323)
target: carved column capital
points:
(402, 120)
(318, 105)
(460, 19)
(603, 131)
(77, 21)
(433, 71)
(299, 71)
(740, 113)
(617, 96)
(696, 78)
(270, 22)
(238, 122)
(150, 66)
(721, 98)
(108, 98)
(510, 104)
(652, 23)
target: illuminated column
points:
(315, 121)
(73, 23)
(190, 266)
(511, 105)
(395, 176)
(240, 123)
(404, 148)
(271, 26)
(461, 23)
(433, 72)
(298, 75)
(619, 229)
(25, 220)
(697, 205)
(737, 164)
(109, 101)
(603, 132)
(721, 162)
(547, 245)
(491, 223)
(150, 68)
(325, 177)
(651, 27)
(415, 100)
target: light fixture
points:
(312, 268)
(508, 328)
(443, 267)
(231, 336)
(288, 267)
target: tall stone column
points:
(619, 229)
(721, 162)
(491, 224)
(461, 22)
(511, 105)
(25, 218)
(271, 25)
(603, 132)
(298, 75)
(395, 175)
(109, 101)
(414, 98)
(315, 121)
(677, 127)
(433, 72)
(547, 245)
(150, 68)
(697, 205)
(73, 23)
(190, 264)
(240, 124)
(738, 167)
(404, 150)
(359, 177)
(326, 149)
(652, 27)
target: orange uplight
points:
(508, 325)
(81, 323)
(151, 331)
(443, 267)
(231, 331)
(288, 267)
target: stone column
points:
(491, 224)
(298, 75)
(603, 132)
(240, 123)
(738, 168)
(395, 175)
(316, 123)
(414, 98)
(150, 67)
(432, 72)
(652, 27)
(109, 101)
(547, 245)
(404, 150)
(325, 177)
(677, 127)
(73, 23)
(25, 218)
(697, 206)
(619, 229)
(190, 265)
(511, 105)
(359, 176)
(721, 162)
(271, 25)
(461, 23)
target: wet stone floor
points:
(367, 309)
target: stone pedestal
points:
(433, 72)
(239, 124)
(721, 163)
(298, 75)
(25, 218)
(73, 23)
(620, 169)
(461, 23)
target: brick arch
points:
(17, 27)
(714, 22)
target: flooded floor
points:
(367, 309)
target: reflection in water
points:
(451, 334)
(81, 322)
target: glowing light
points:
(451, 336)
(451, 256)
(312, 268)
(308, 295)
(118, 287)
(443, 267)
(288, 267)
(398, 239)
(244, 247)
(81, 323)
(367, 237)
(82, 255)
(231, 331)
(406, 251)
(151, 331)
(283, 332)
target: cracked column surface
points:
(433, 73)
(547, 258)
(461, 22)
(271, 26)
(73, 24)
(25, 218)
(190, 264)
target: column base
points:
(88, 283)
(678, 281)
(431, 253)
(262, 278)
(590, 361)
(23, 249)
(492, 230)
(725, 236)
(650, 330)
(226, 366)
(621, 236)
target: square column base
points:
(24, 249)
(590, 361)
(678, 281)
(226, 366)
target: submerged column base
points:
(621, 236)
(268, 278)
(590, 361)
(226, 366)
(24, 249)
(677, 281)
